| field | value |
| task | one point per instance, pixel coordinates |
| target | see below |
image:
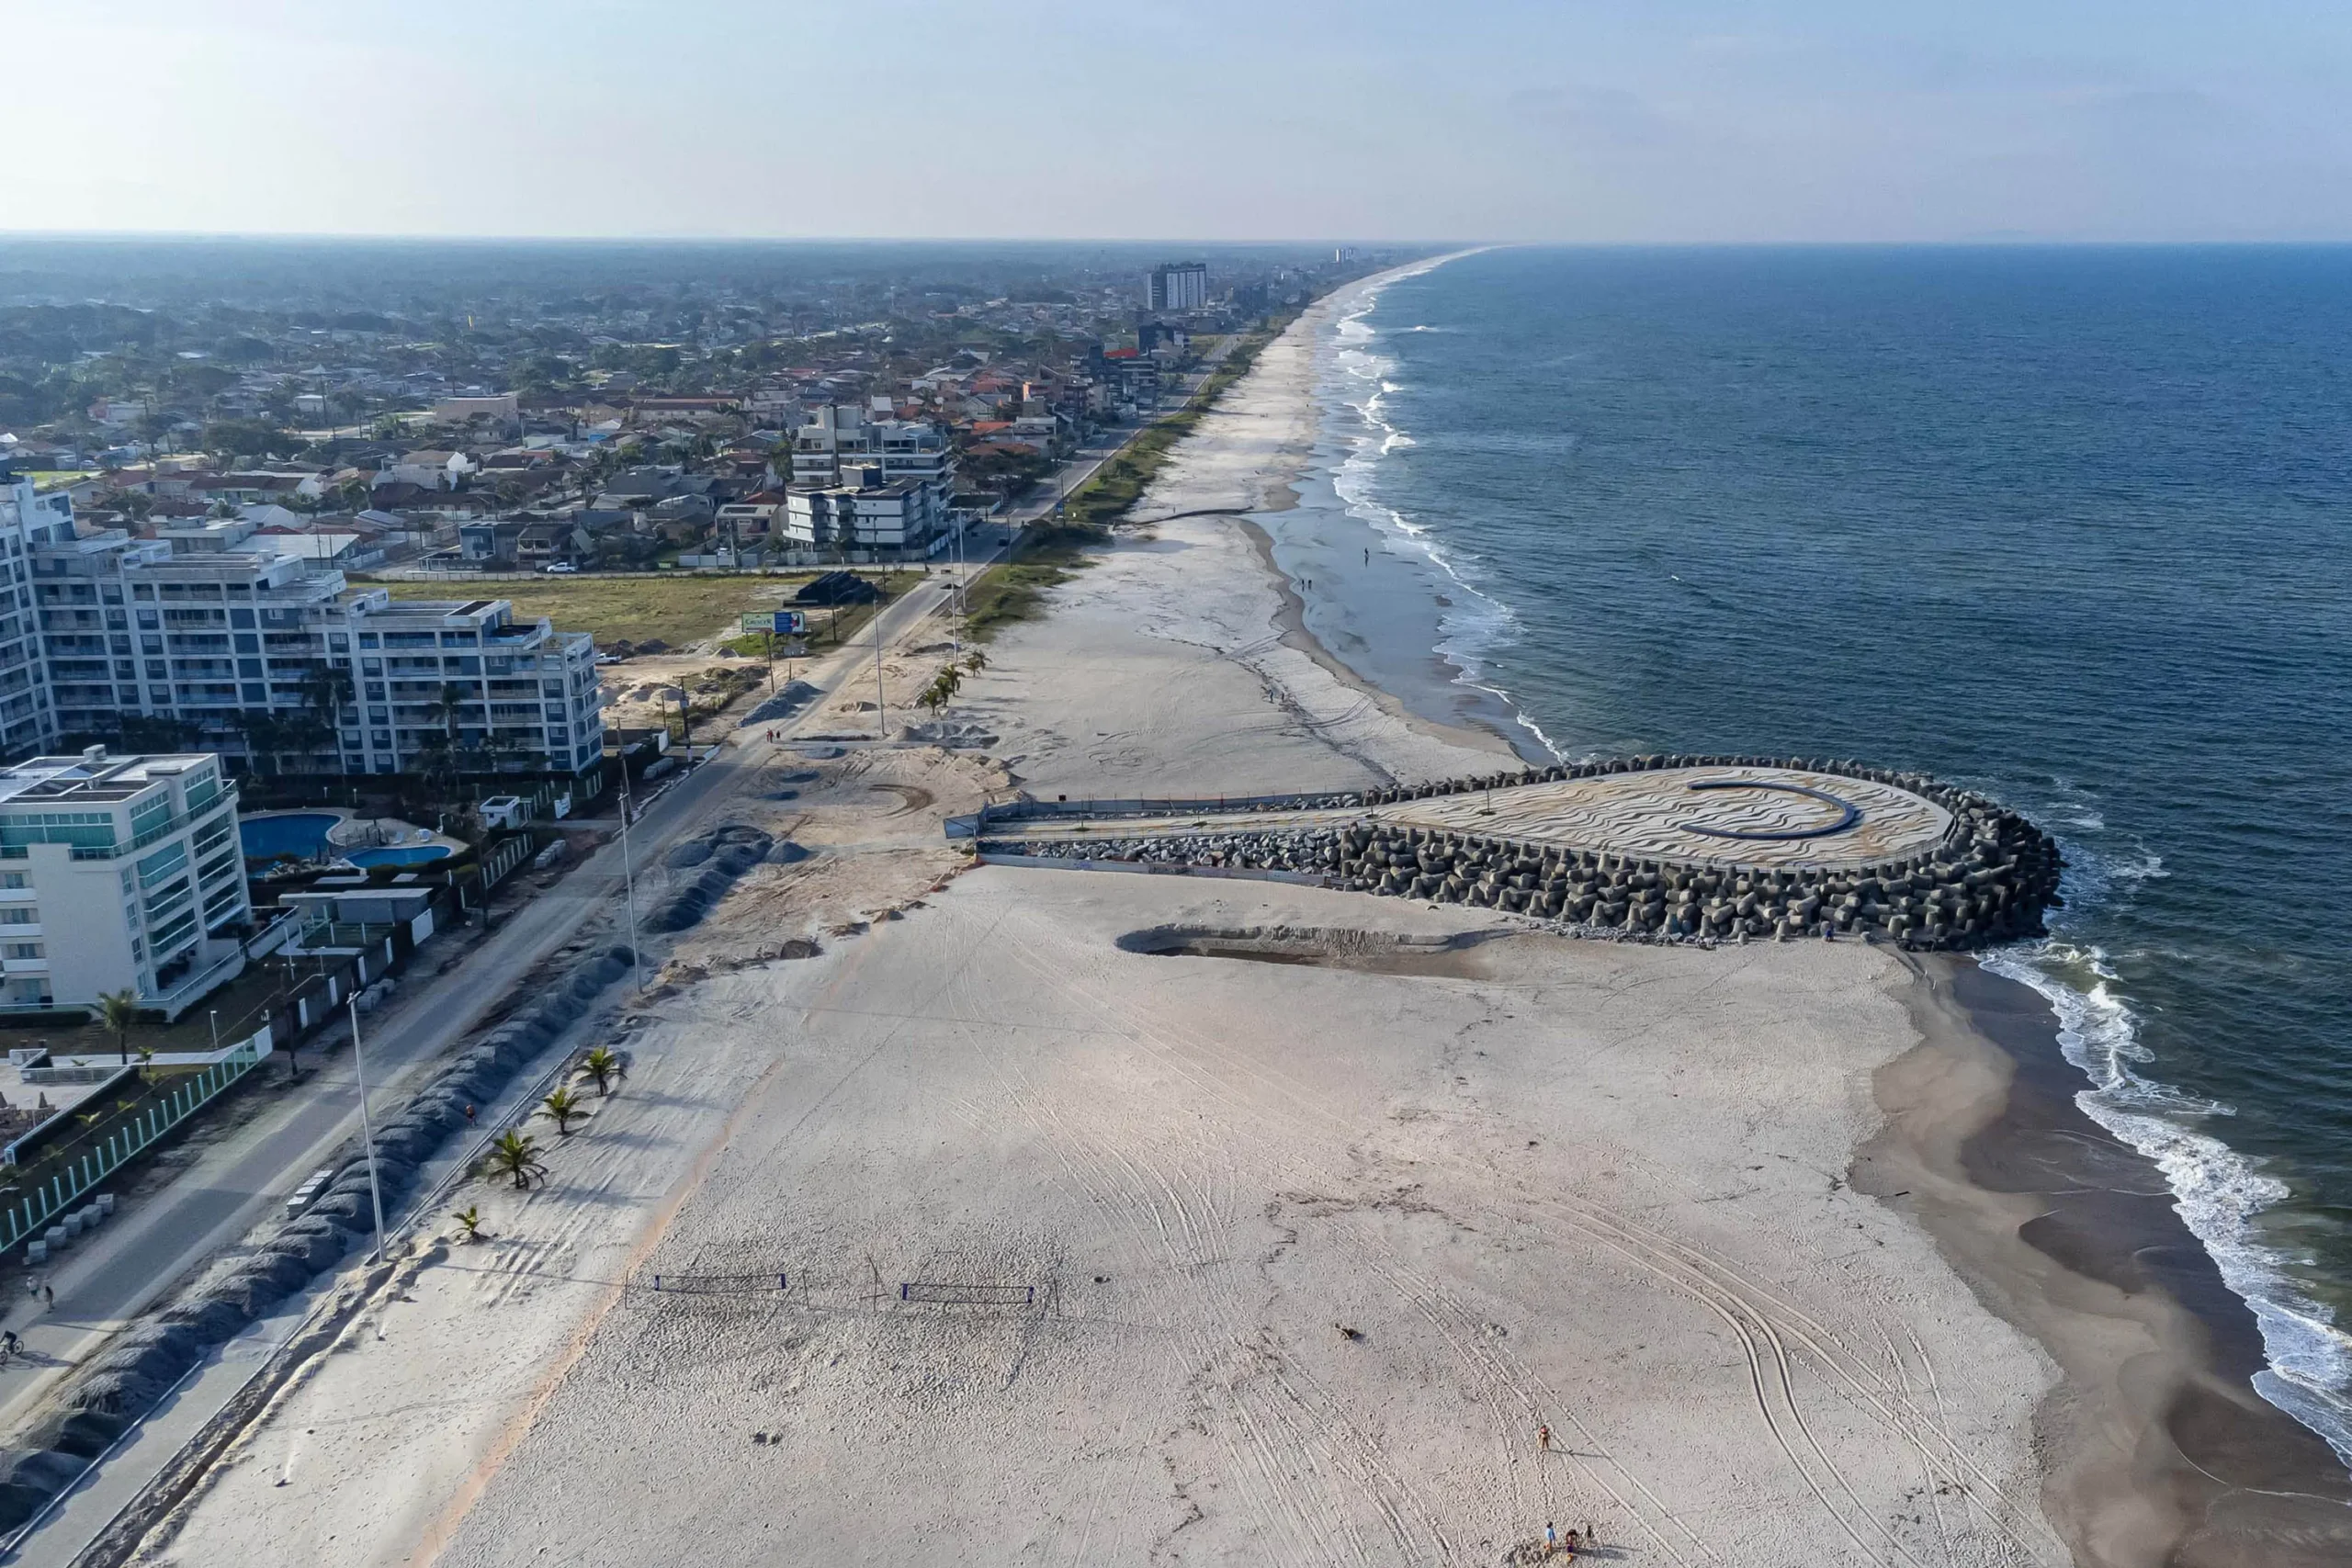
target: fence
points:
(977, 824)
(26, 1215)
(1157, 868)
(502, 857)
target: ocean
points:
(2071, 527)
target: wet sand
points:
(2158, 1449)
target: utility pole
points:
(881, 716)
(366, 1132)
(628, 882)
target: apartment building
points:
(214, 626)
(867, 511)
(28, 715)
(118, 873)
(903, 449)
(1177, 286)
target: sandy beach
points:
(1047, 1216)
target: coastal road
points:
(158, 1240)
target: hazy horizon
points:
(1694, 122)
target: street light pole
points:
(366, 1134)
(881, 715)
(628, 881)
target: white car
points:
(560, 568)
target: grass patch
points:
(679, 611)
(1006, 593)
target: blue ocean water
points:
(2070, 526)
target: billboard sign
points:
(783, 623)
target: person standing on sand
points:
(1544, 1439)
(47, 1296)
(1550, 1541)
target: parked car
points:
(558, 568)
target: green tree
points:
(516, 1157)
(119, 1010)
(561, 1106)
(602, 1065)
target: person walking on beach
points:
(1551, 1539)
(1572, 1544)
(1544, 1439)
(47, 1296)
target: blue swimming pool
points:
(266, 837)
(402, 855)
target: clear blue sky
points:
(1541, 119)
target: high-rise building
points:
(1177, 286)
(118, 873)
(268, 656)
(28, 717)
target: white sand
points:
(1594, 1186)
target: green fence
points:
(25, 1217)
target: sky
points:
(1638, 120)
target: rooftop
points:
(93, 778)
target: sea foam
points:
(2217, 1192)
(1476, 621)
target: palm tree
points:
(561, 1105)
(516, 1155)
(603, 1063)
(975, 662)
(325, 690)
(119, 1010)
(468, 1221)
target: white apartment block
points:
(903, 449)
(867, 511)
(212, 626)
(28, 717)
(118, 873)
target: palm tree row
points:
(950, 680)
(515, 1155)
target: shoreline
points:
(1363, 589)
(1289, 622)
(2157, 1449)
(2059, 1228)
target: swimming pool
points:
(402, 855)
(300, 834)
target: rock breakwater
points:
(1988, 881)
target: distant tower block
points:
(1177, 286)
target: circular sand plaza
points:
(1673, 847)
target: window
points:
(27, 950)
(22, 915)
(12, 879)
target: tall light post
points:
(881, 716)
(628, 882)
(366, 1132)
